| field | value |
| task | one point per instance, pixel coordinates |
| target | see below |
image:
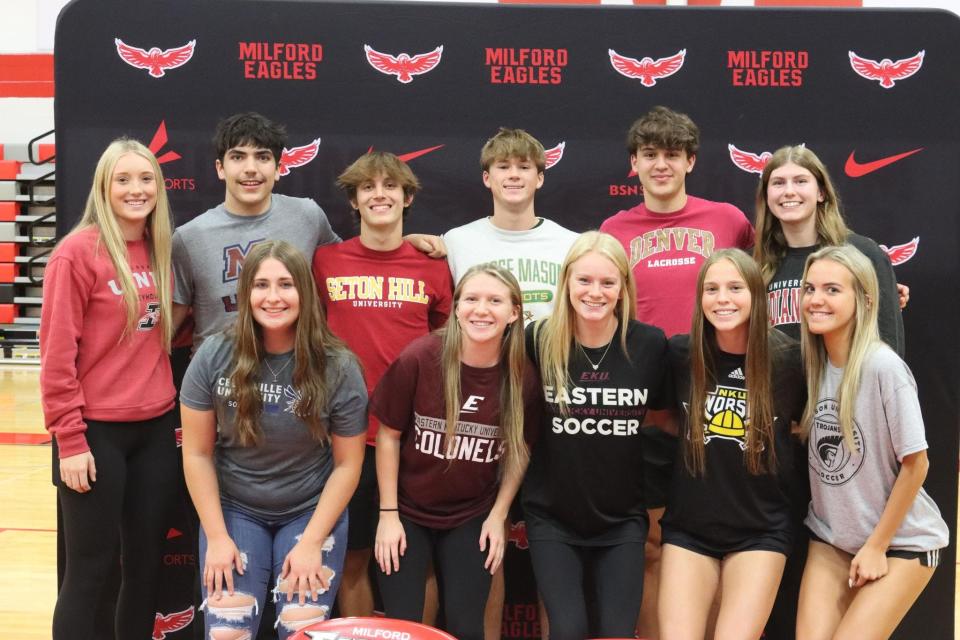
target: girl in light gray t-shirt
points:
(871, 522)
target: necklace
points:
(597, 365)
(275, 374)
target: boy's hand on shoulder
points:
(433, 246)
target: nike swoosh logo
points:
(407, 157)
(856, 169)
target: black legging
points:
(129, 504)
(616, 573)
(465, 584)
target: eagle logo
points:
(902, 252)
(886, 72)
(403, 66)
(749, 162)
(298, 156)
(554, 155)
(155, 60)
(164, 624)
(647, 70)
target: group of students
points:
(628, 383)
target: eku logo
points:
(472, 405)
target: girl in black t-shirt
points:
(727, 524)
(451, 451)
(583, 495)
(797, 212)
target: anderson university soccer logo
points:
(827, 453)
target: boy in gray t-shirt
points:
(208, 251)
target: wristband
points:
(394, 509)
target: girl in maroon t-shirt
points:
(454, 408)
(108, 394)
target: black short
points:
(927, 558)
(659, 452)
(776, 541)
(364, 507)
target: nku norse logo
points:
(155, 61)
(726, 416)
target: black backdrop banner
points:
(753, 79)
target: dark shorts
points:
(364, 507)
(778, 542)
(927, 558)
(659, 452)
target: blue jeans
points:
(263, 546)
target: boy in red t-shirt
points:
(667, 237)
(379, 294)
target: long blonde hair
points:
(864, 338)
(158, 233)
(760, 452)
(771, 244)
(555, 336)
(312, 341)
(512, 365)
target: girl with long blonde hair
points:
(875, 534)
(456, 411)
(797, 212)
(583, 497)
(107, 391)
(274, 419)
(727, 525)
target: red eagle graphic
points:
(298, 156)
(155, 60)
(403, 66)
(648, 69)
(554, 155)
(164, 624)
(886, 71)
(518, 535)
(901, 252)
(749, 162)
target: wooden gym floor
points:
(28, 539)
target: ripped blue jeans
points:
(263, 547)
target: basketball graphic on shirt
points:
(827, 452)
(726, 415)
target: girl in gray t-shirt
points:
(274, 424)
(870, 520)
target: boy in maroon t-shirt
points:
(667, 237)
(379, 294)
